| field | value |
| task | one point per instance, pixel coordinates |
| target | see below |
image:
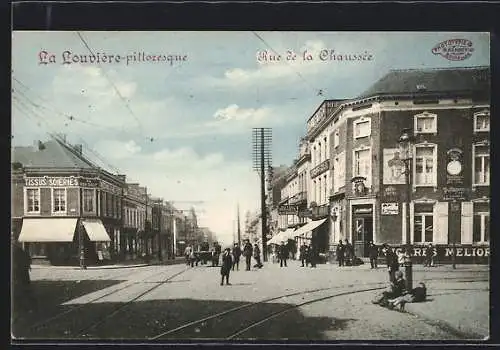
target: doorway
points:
(362, 229)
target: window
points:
(320, 153)
(314, 191)
(326, 189)
(320, 200)
(481, 223)
(425, 165)
(59, 200)
(481, 164)
(325, 156)
(88, 200)
(362, 128)
(336, 139)
(33, 200)
(37, 249)
(482, 121)
(109, 204)
(425, 123)
(423, 224)
(362, 163)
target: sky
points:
(181, 122)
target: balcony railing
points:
(299, 197)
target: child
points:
(227, 263)
(416, 295)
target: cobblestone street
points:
(176, 302)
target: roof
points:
(52, 154)
(444, 80)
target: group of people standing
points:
(308, 255)
(345, 253)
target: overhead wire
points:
(319, 92)
(115, 88)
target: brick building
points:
(356, 187)
(59, 198)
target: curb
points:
(464, 333)
(106, 267)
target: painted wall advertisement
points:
(444, 253)
(390, 208)
(393, 173)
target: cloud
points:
(185, 175)
(235, 113)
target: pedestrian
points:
(283, 254)
(187, 254)
(416, 295)
(313, 255)
(247, 252)
(392, 262)
(429, 256)
(192, 258)
(236, 255)
(396, 289)
(21, 277)
(373, 253)
(227, 263)
(341, 253)
(302, 252)
(256, 256)
(349, 253)
(216, 255)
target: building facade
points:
(62, 202)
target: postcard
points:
(250, 185)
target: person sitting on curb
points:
(416, 295)
(395, 290)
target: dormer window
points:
(482, 121)
(425, 123)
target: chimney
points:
(78, 149)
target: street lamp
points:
(405, 152)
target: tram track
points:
(84, 331)
(216, 317)
(126, 284)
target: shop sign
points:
(320, 169)
(46, 181)
(88, 182)
(305, 213)
(391, 193)
(287, 209)
(454, 167)
(447, 251)
(363, 210)
(454, 194)
(390, 208)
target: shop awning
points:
(95, 230)
(306, 230)
(289, 234)
(48, 230)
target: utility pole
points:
(145, 247)
(262, 138)
(239, 228)
(81, 242)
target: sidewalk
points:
(460, 307)
(120, 265)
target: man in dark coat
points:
(303, 254)
(429, 255)
(313, 254)
(217, 252)
(341, 253)
(283, 254)
(227, 263)
(397, 288)
(392, 262)
(247, 252)
(373, 253)
(349, 253)
(236, 255)
(256, 256)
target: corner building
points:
(449, 113)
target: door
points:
(363, 234)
